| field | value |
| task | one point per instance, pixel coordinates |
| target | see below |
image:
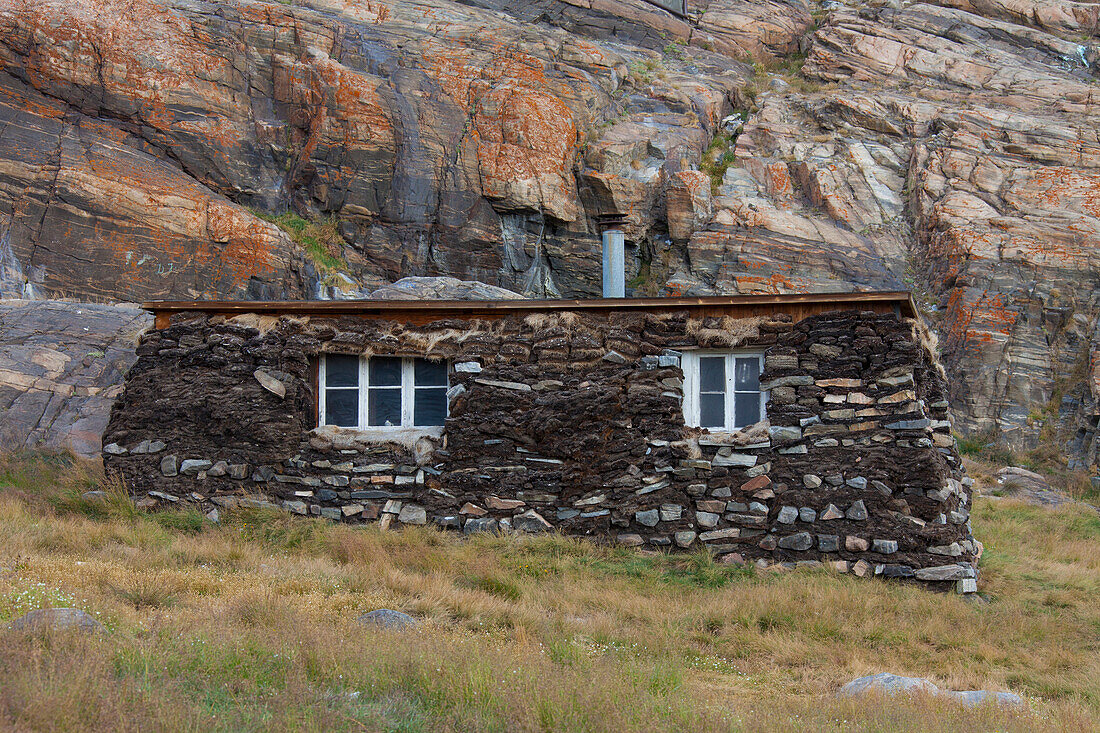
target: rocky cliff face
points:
(750, 147)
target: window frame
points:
(408, 389)
(689, 362)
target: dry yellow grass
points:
(251, 625)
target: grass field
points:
(250, 625)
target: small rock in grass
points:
(388, 619)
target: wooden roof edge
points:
(903, 299)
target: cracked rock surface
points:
(61, 367)
(751, 147)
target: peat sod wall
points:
(572, 421)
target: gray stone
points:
(270, 383)
(238, 470)
(943, 572)
(59, 619)
(885, 547)
(684, 538)
(468, 367)
(784, 433)
(567, 514)
(331, 512)
(973, 698)
(706, 519)
(296, 507)
(263, 473)
(831, 512)
(114, 449)
(897, 571)
(828, 542)
(94, 495)
(720, 534)
(755, 507)
(798, 380)
(412, 514)
(952, 550)
(909, 424)
(806, 514)
(192, 466)
(631, 540)
(671, 512)
(530, 521)
(387, 619)
(614, 357)
(834, 479)
(214, 516)
(326, 495)
(787, 515)
(219, 469)
(900, 381)
(885, 683)
(858, 482)
(811, 481)
(888, 684)
(517, 386)
(480, 524)
(668, 360)
(742, 460)
(336, 480)
(881, 488)
(857, 511)
(800, 541)
(794, 450)
(169, 466)
(966, 585)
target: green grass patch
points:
(321, 240)
(719, 156)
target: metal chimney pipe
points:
(614, 264)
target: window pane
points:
(430, 374)
(385, 371)
(712, 411)
(342, 407)
(341, 370)
(384, 406)
(746, 411)
(747, 374)
(712, 374)
(430, 406)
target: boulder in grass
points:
(388, 619)
(885, 683)
(62, 619)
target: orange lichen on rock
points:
(525, 135)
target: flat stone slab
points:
(888, 684)
(61, 619)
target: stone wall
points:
(573, 421)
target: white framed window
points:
(722, 389)
(381, 392)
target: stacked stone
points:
(574, 422)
